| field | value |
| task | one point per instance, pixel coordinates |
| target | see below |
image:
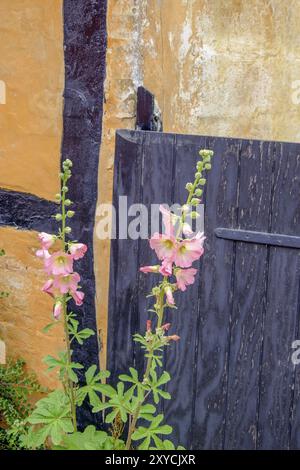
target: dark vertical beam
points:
(84, 51)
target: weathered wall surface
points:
(32, 68)
(223, 68)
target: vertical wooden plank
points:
(249, 294)
(280, 411)
(214, 298)
(124, 256)
(180, 356)
(157, 188)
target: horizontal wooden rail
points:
(261, 238)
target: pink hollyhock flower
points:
(185, 277)
(168, 221)
(66, 283)
(78, 297)
(150, 269)
(166, 268)
(169, 295)
(189, 250)
(163, 245)
(78, 250)
(166, 326)
(48, 287)
(58, 309)
(44, 254)
(46, 240)
(59, 263)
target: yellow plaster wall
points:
(32, 68)
(225, 68)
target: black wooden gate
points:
(233, 383)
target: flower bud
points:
(57, 197)
(194, 215)
(68, 202)
(185, 209)
(173, 338)
(195, 201)
(65, 189)
(189, 186)
(199, 166)
(198, 174)
(207, 166)
(68, 163)
(68, 230)
(58, 217)
(199, 192)
(70, 214)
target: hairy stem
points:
(70, 383)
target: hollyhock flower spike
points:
(169, 295)
(169, 221)
(78, 297)
(66, 283)
(189, 250)
(59, 263)
(46, 240)
(78, 250)
(166, 268)
(185, 277)
(164, 246)
(48, 287)
(58, 309)
(150, 269)
(44, 254)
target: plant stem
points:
(66, 329)
(132, 426)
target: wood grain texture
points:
(277, 397)
(233, 384)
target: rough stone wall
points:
(224, 68)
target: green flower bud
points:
(65, 189)
(68, 202)
(207, 166)
(68, 230)
(58, 217)
(194, 215)
(189, 186)
(57, 197)
(68, 163)
(70, 214)
(198, 175)
(195, 201)
(198, 192)
(199, 166)
(202, 181)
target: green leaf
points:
(53, 416)
(64, 366)
(94, 386)
(150, 433)
(89, 439)
(80, 336)
(49, 326)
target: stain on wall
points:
(218, 68)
